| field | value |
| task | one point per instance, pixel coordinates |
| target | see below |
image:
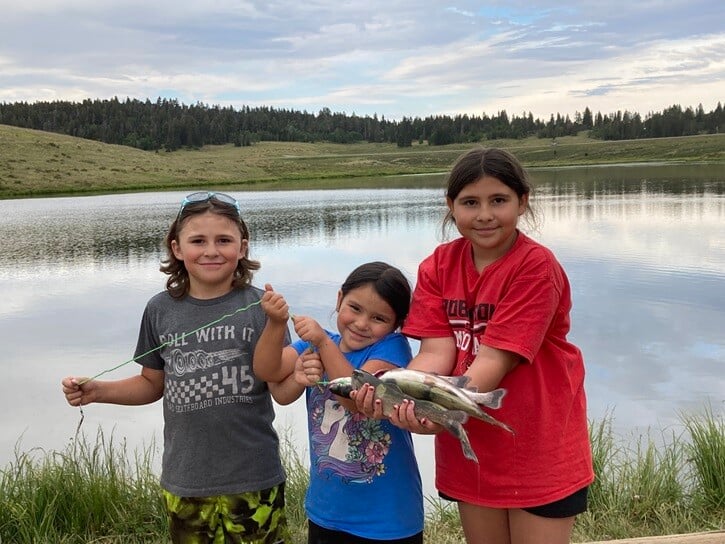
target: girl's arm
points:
(287, 391)
(333, 360)
(145, 388)
(490, 366)
(268, 361)
(307, 372)
(436, 355)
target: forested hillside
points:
(168, 124)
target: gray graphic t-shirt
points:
(218, 433)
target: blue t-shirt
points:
(364, 477)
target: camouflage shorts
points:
(257, 517)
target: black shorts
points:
(320, 535)
(574, 504)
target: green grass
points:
(644, 487)
(36, 163)
(96, 492)
(86, 493)
(706, 459)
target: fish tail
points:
(494, 421)
(505, 427)
(492, 399)
(468, 452)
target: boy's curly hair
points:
(178, 282)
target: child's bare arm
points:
(145, 388)
(333, 360)
(308, 372)
(268, 362)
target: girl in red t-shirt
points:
(494, 305)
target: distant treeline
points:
(167, 124)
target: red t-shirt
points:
(519, 303)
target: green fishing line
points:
(184, 335)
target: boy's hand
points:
(274, 305)
(78, 391)
(308, 368)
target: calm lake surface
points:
(644, 248)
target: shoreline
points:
(46, 164)
(709, 537)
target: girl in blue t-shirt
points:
(364, 481)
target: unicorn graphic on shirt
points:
(345, 445)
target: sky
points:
(392, 58)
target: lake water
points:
(644, 248)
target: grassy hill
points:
(35, 163)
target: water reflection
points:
(127, 228)
(82, 230)
(290, 218)
(592, 181)
(644, 250)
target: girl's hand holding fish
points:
(405, 418)
(366, 403)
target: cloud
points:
(396, 59)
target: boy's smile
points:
(210, 246)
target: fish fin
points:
(459, 381)
(492, 399)
(460, 433)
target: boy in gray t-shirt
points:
(221, 470)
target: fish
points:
(447, 391)
(391, 395)
(341, 386)
(456, 384)
(490, 399)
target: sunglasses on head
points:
(206, 196)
